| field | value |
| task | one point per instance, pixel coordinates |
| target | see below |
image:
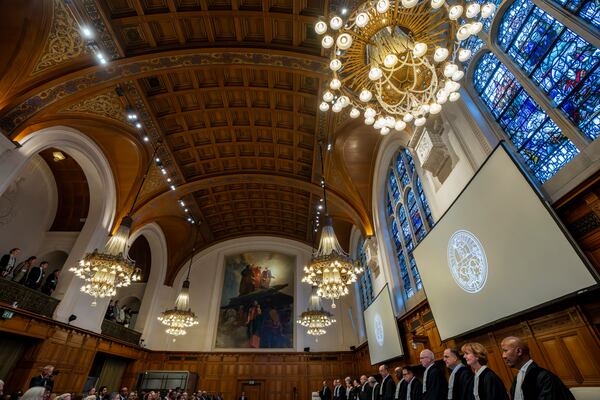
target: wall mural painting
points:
(257, 301)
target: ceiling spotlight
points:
(182, 203)
(168, 179)
(157, 159)
(164, 171)
(146, 138)
(138, 125)
(186, 210)
(173, 187)
(87, 32)
(344, 11)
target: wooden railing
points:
(118, 331)
(20, 296)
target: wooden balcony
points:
(20, 296)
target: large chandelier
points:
(315, 318)
(330, 269)
(397, 62)
(181, 316)
(104, 272)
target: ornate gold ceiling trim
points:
(105, 104)
(136, 67)
(64, 41)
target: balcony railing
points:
(118, 331)
(28, 299)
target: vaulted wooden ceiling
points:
(230, 88)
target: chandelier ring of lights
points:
(398, 61)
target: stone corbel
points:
(371, 250)
(431, 151)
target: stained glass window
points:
(535, 136)
(410, 217)
(366, 281)
(588, 10)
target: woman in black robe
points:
(485, 385)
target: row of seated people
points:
(473, 381)
(28, 272)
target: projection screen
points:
(496, 252)
(382, 329)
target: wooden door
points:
(252, 390)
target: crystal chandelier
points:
(104, 272)
(397, 62)
(181, 316)
(315, 318)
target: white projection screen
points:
(382, 329)
(496, 252)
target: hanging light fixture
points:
(398, 61)
(181, 316)
(104, 272)
(316, 318)
(330, 269)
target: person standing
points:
(485, 385)
(374, 388)
(339, 392)
(401, 385)
(532, 382)
(365, 388)
(36, 275)
(434, 382)
(325, 392)
(387, 389)
(21, 270)
(458, 384)
(8, 262)
(44, 379)
(243, 396)
(51, 281)
(413, 389)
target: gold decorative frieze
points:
(106, 104)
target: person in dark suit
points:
(374, 388)
(325, 392)
(434, 382)
(339, 392)
(532, 382)
(387, 389)
(400, 385)
(9, 261)
(365, 389)
(485, 385)
(51, 281)
(413, 390)
(36, 275)
(243, 396)
(44, 379)
(458, 384)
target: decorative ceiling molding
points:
(106, 104)
(104, 38)
(154, 183)
(64, 41)
(147, 65)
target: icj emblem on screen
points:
(467, 261)
(378, 323)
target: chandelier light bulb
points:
(454, 96)
(328, 96)
(320, 27)
(335, 84)
(420, 121)
(435, 108)
(390, 60)
(362, 20)
(450, 69)
(344, 41)
(336, 23)
(370, 113)
(472, 10)
(458, 75)
(487, 10)
(335, 64)
(435, 4)
(369, 121)
(442, 93)
(455, 12)
(440, 54)
(424, 109)
(464, 55)
(463, 32)
(344, 101)
(384, 131)
(354, 113)
(451, 86)
(379, 123)
(400, 125)
(442, 100)
(407, 118)
(409, 3)
(365, 96)
(324, 106)
(382, 6)
(420, 50)
(375, 73)
(475, 28)
(390, 121)
(336, 108)
(327, 42)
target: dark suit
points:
(402, 390)
(416, 390)
(243, 398)
(34, 277)
(4, 263)
(325, 393)
(462, 378)
(541, 384)
(435, 385)
(365, 392)
(490, 386)
(41, 381)
(388, 388)
(339, 393)
(375, 392)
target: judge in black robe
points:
(488, 384)
(364, 389)
(339, 391)
(325, 392)
(387, 390)
(458, 387)
(435, 386)
(538, 383)
(410, 381)
(374, 389)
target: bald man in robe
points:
(532, 382)
(434, 382)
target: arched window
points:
(365, 282)
(549, 73)
(409, 218)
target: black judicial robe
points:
(325, 393)
(416, 390)
(462, 384)
(365, 392)
(339, 393)
(375, 392)
(388, 388)
(541, 384)
(490, 386)
(436, 385)
(402, 392)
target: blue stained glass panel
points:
(424, 203)
(402, 173)
(474, 43)
(415, 272)
(486, 67)
(500, 90)
(394, 187)
(521, 118)
(404, 275)
(512, 21)
(588, 10)
(583, 106)
(396, 235)
(408, 242)
(390, 208)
